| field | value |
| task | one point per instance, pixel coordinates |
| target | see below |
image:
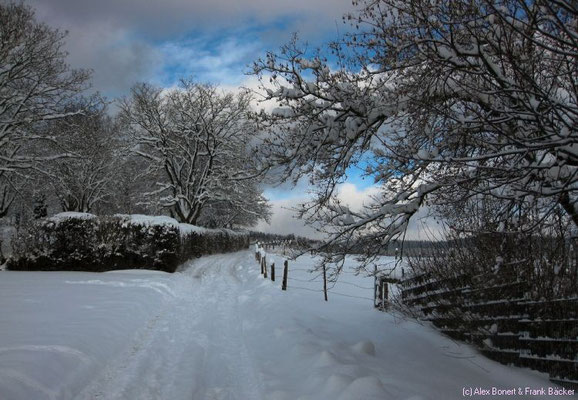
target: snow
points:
(70, 215)
(136, 219)
(218, 330)
(283, 112)
(148, 220)
(310, 64)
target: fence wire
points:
(330, 292)
(315, 280)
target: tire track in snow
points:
(194, 348)
(228, 372)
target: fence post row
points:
(262, 260)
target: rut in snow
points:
(194, 348)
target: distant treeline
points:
(300, 241)
(409, 247)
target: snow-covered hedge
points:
(84, 242)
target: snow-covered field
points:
(218, 331)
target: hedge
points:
(84, 242)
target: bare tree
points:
(85, 178)
(36, 86)
(195, 139)
(239, 204)
(442, 101)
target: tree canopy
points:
(441, 101)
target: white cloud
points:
(422, 226)
(356, 198)
(284, 221)
(221, 63)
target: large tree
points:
(36, 86)
(196, 139)
(235, 205)
(85, 179)
(440, 101)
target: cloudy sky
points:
(126, 41)
(129, 41)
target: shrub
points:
(83, 242)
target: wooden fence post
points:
(273, 272)
(285, 270)
(325, 282)
(384, 295)
(264, 267)
(375, 299)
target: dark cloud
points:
(162, 18)
(124, 41)
(117, 61)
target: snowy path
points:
(218, 331)
(194, 348)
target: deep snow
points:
(218, 330)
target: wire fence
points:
(332, 293)
(338, 282)
(261, 255)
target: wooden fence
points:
(499, 314)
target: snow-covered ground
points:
(218, 331)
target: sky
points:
(128, 41)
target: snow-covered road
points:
(194, 348)
(217, 330)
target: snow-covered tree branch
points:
(440, 101)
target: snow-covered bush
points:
(125, 243)
(84, 242)
(211, 241)
(63, 242)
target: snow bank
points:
(184, 229)
(344, 349)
